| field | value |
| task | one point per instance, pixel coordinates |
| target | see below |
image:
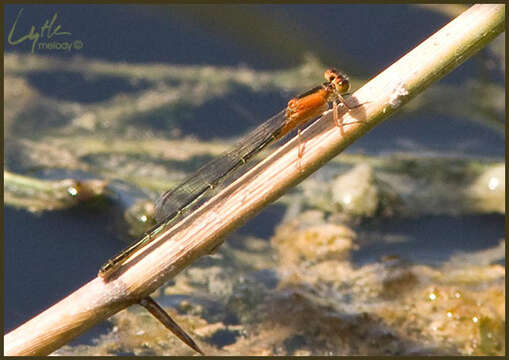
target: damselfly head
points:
(337, 80)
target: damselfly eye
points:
(337, 80)
(342, 84)
(330, 74)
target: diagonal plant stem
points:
(203, 230)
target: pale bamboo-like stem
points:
(203, 230)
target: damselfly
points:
(299, 111)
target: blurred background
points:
(94, 132)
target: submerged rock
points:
(313, 243)
(356, 192)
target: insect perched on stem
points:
(299, 111)
(173, 203)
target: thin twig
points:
(204, 229)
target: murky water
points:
(394, 247)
